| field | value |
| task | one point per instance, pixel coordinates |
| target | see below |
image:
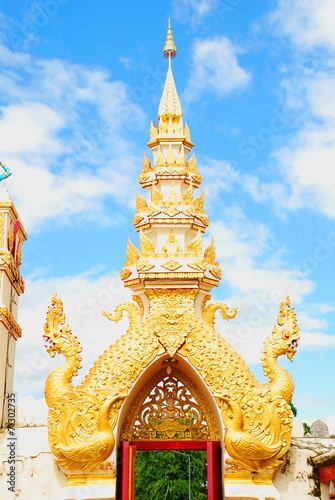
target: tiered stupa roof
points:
(172, 222)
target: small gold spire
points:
(169, 47)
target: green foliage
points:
(294, 409)
(164, 475)
(307, 428)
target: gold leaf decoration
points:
(171, 211)
(204, 219)
(153, 130)
(195, 246)
(192, 164)
(156, 196)
(180, 160)
(172, 244)
(152, 211)
(216, 272)
(209, 254)
(137, 219)
(144, 265)
(146, 163)
(172, 265)
(170, 158)
(160, 159)
(199, 265)
(188, 195)
(147, 246)
(141, 203)
(199, 202)
(132, 253)
(173, 196)
(187, 132)
(125, 273)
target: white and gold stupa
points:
(171, 381)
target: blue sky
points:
(80, 84)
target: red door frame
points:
(214, 473)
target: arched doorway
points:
(169, 413)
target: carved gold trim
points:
(171, 275)
(135, 409)
(125, 273)
(216, 272)
(8, 320)
(2, 229)
(11, 268)
(85, 479)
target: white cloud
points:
(256, 277)
(84, 297)
(307, 23)
(63, 136)
(192, 10)
(215, 68)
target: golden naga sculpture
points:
(257, 416)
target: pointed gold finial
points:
(169, 47)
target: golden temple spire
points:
(169, 47)
(169, 108)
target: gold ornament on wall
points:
(199, 202)
(172, 244)
(146, 163)
(132, 253)
(209, 254)
(153, 130)
(156, 195)
(195, 246)
(141, 203)
(172, 265)
(147, 246)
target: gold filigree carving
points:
(141, 203)
(169, 407)
(147, 246)
(170, 318)
(144, 265)
(199, 202)
(84, 425)
(133, 254)
(195, 245)
(198, 264)
(172, 265)
(216, 272)
(172, 244)
(125, 273)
